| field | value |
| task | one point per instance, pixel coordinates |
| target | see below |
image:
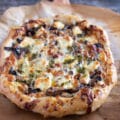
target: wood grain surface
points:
(109, 110)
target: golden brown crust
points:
(59, 106)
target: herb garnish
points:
(68, 61)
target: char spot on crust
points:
(18, 32)
(87, 93)
(30, 105)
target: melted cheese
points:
(92, 66)
(43, 83)
(27, 41)
(76, 30)
(25, 67)
(85, 78)
(58, 25)
(91, 39)
(64, 43)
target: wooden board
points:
(109, 110)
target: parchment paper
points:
(18, 15)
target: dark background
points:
(111, 4)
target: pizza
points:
(57, 66)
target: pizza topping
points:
(81, 70)
(19, 40)
(12, 71)
(81, 35)
(8, 48)
(27, 41)
(52, 28)
(51, 63)
(71, 72)
(57, 58)
(69, 26)
(16, 50)
(98, 45)
(96, 75)
(58, 25)
(33, 90)
(68, 61)
(76, 30)
(58, 91)
(77, 77)
(31, 31)
(43, 82)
